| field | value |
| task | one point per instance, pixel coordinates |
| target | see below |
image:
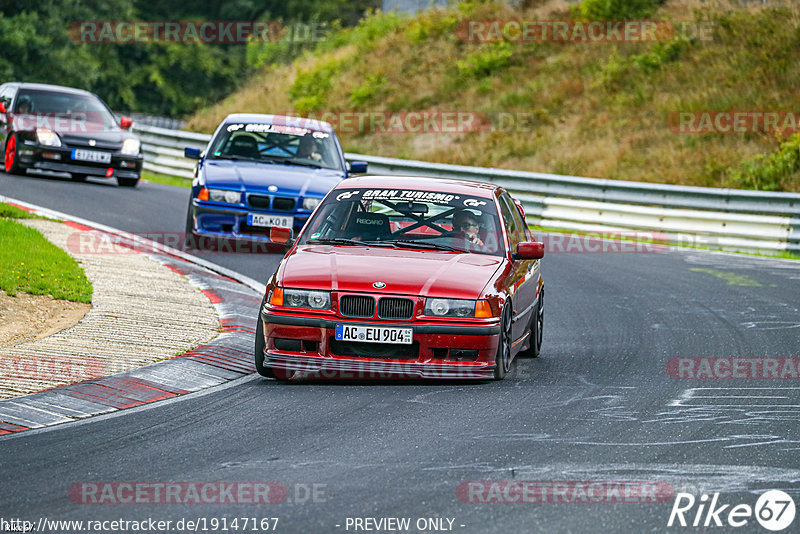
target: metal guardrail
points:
(728, 219)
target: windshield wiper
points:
(410, 243)
(344, 241)
(298, 163)
(240, 158)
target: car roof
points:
(285, 120)
(56, 88)
(421, 183)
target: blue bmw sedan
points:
(259, 172)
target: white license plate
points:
(258, 219)
(374, 334)
(91, 155)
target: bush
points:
(617, 9)
(484, 62)
(778, 171)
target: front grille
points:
(258, 201)
(356, 306)
(394, 308)
(374, 350)
(283, 203)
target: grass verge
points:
(29, 263)
(166, 180)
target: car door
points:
(523, 279)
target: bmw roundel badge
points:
(379, 285)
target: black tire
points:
(536, 329)
(11, 157)
(503, 358)
(77, 177)
(188, 237)
(127, 182)
(261, 367)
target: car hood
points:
(406, 272)
(258, 177)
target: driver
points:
(25, 106)
(466, 222)
(308, 149)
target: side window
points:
(513, 224)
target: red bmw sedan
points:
(405, 278)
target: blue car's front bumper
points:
(217, 220)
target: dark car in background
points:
(259, 172)
(61, 129)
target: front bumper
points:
(59, 159)
(439, 351)
(212, 219)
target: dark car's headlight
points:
(300, 298)
(47, 137)
(310, 203)
(437, 307)
(130, 147)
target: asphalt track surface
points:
(598, 405)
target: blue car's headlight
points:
(221, 195)
(310, 203)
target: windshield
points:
(400, 218)
(273, 143)
(60, 106)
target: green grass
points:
(166, 180)
(8, 211)
(29, 263)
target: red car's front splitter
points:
(353, 368)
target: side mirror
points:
(280, 235)
(125, 122)
(3, 108)
(358, 167)
(191, 153)
(530, 250)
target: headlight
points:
(130, 147)
(310, 203)
(450, 307)
(302, 298)
(47, 137)
(221, 195)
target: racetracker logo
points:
(62, 370)
(606, 242)
(728, 368)
(581, 31)
(82, 122)
(177, 493)
(96, 242)
(757, 121)
(564, 492)
(774, 510)
(177, 31)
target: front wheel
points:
(11, 160)
(503, 358)
(261, 366)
